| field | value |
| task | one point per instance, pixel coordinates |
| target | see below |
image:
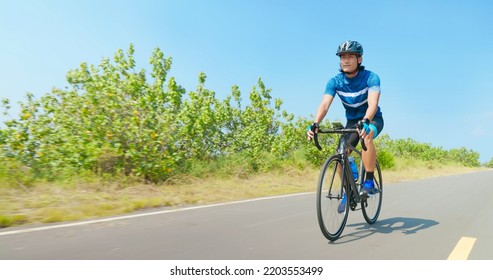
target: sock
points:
(369, 176)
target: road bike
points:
(336, 180)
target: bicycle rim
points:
(372, 205)
(329, 196)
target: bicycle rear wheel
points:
(372, 205)
(329, 195)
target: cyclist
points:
(359, 91)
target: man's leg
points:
(370, 155)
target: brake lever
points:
(360, 127)
(315, 138)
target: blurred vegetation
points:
(116, 121)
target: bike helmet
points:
(350, 47)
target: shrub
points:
(385, 159)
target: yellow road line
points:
(462, 249)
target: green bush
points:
(385, 159)
(7, 221)
(409, 148)
(115, 120)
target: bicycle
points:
(336, 179)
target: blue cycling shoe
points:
(368, 187)
(342, 205)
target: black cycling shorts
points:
(353, 138)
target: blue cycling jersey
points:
(353, 92)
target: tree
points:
(115, 119)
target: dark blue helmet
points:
(350, 47)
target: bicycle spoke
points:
(329, 197)
(371, 206)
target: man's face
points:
(349, 62)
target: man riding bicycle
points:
(359, 91)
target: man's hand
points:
(311, 130)
(365, 129)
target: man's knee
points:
(369, 138)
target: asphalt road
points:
(420, 220)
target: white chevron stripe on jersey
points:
(352, 94)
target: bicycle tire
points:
(329, 196)
(372, 205)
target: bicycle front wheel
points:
(331, 216)
(372, 205)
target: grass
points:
(49, 203)
(412, 169)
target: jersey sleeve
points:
(331, 87)
(373, 83)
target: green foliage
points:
(115, 120)
(14, 174)
(7, 221)
(385, 159)
(111, 121)
(489, 164)
(409, 148)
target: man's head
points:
(351, 54)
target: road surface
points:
(431, 219)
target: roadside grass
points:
(60, 202)
(413, 169)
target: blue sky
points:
(434, 58)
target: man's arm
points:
(373, 98)
(323, 108)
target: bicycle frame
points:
(343, 150)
